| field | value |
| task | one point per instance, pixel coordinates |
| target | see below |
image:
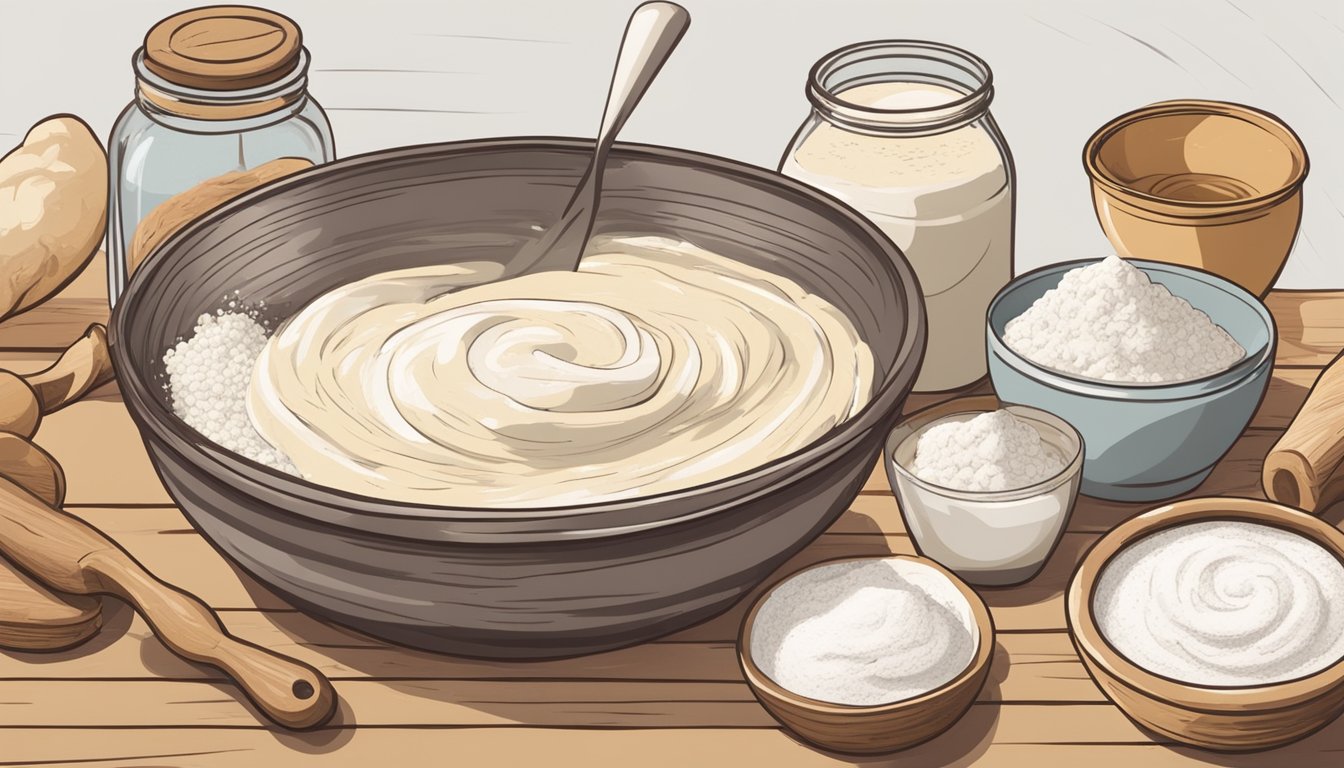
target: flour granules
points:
(1108, 321)
(994, 451)
(864, 632)
(208, 377)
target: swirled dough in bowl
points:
(1225, 603)
(656, 366)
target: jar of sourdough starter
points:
(901, 131)
(221, 93)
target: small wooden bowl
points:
(1204, 184)
(1222, 718)
(878, 728)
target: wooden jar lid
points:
(223, 47)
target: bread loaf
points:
(53, 210)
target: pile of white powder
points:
(864, 632)
(209, 375)
(1108, 321)
(994, 451)
(1224, 602)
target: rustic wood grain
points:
(988, 737)
(646, 748)
(1026, 667)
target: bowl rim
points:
(864, 118)
(1265, 121)
(762, 683)
(1092, 643)
(974, 405)
(1073, 384)
(320, 502)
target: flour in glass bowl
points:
(1108, 321)
(994, 451)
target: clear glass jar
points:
(901, 131)
(173, 136)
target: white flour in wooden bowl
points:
(865, 632)
(1224, 603)
(1108, 321)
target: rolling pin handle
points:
(1302, 469)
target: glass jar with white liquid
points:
(901, 131)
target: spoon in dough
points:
(653, 31)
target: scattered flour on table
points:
(864, 632)
(994, 451)
(1108, 321)
(209, 375)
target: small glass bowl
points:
(988, 538)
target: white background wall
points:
(396, 72)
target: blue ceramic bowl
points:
(1145, 442)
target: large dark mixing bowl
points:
(527, 583)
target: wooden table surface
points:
(123, 699)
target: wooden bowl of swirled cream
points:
(1216, 622)
(867, 655)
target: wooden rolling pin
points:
(69, 555)
(32, 617)
(1302, 469)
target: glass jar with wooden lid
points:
(221, 104)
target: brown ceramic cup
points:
(1203, 184)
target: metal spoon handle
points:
(653, 31)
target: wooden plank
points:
(150, 703)
(1311, 326)
(492, 703)
(1028, 667)
(202, 747)
(1082, 731)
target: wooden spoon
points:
(32, 617)
(653, 31)
(83, 366)
(69, 555)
